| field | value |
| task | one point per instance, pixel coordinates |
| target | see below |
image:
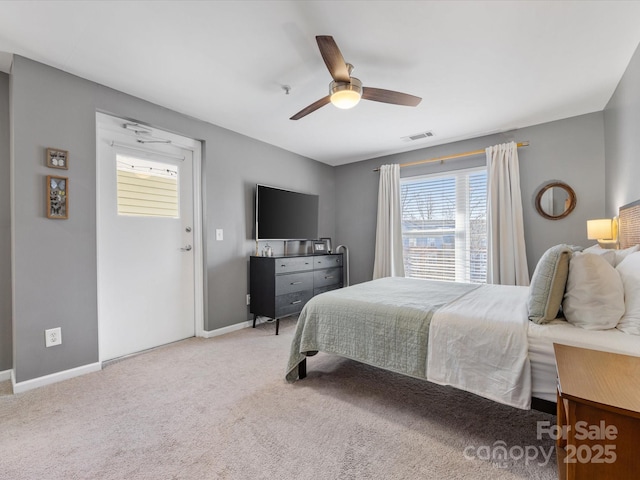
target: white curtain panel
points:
(388, 256)
(506, 252)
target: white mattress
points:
(542, 358)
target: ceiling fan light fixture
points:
(346, 91)
(346, 95)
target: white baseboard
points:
(20, 387)
(231, 328)
(95, 367)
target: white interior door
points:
(146, 243)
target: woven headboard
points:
(629, 224)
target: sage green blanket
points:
(384, 323)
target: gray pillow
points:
(548, 283)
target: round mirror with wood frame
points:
(555, 200)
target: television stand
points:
(281, 286)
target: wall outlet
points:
(248, 299)
(53, 337)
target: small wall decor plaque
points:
(57, 158)
(57, 197)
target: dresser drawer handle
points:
(328, 276)
(297, 301)
(295, 283)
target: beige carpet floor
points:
(220, 409)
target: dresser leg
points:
(254, 319)
(277, 325)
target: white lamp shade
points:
(345, 94)
(345, 99)
(599, 229)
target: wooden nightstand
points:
(599, 409)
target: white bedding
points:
(502, 375)
(478, 343)
(481, 342)
(541, 340)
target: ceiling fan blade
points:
(389, 96)
(333, 58)
(311, 108)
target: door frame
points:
(107, 123)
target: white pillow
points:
(629, 271)
(594, 298)
(622, 254)
(608, 254)
(614, 257)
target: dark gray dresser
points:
(281, 286)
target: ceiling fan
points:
(346, 91)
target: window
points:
(146, 188)
(444, 226)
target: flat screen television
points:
(285, 215)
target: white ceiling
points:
(480, 66)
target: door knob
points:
(186, 249)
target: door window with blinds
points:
(444, 226)
(147, 188)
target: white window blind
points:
(147, 188)
(444, 226)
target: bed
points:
(478, 338)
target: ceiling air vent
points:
(418, 136)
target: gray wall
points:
(570, 150)
(55, 260)
(622, 140)
(5, 230)
(55, 264)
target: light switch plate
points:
(219, 234)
